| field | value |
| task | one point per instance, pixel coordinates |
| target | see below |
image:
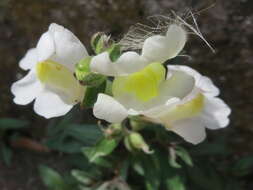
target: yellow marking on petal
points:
(144, 85)
(187, 110)
(58, 76)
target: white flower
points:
(50, 80)
(156, 48)
(185, 102)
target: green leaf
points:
(173, 163)
(62, 145)
(175, 183)
(173, 159)
(184, 155)
(151, 172)
(91, 94)
(88, 134)
(82, 177)
(210, 149)
(72, 137)
(58, 126)
(206, 177)
(52, 179)
(6, 154)
(243, 166)
(103, 148)
(9, 123)
(123, 170)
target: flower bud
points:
(82, 68)
(99, 42)
(136, 141)
(85, 76)
(93, 79)
(114, 129)
(137, 123)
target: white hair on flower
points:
(137, 34)
(148, 44)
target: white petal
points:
(48, 104)
(127, 63)
(201, 82)
(192, 130)
(26, 89)
(45, 47)
(158, 111)
(29, 60)
(161, 48)
(68, 48)
(177, 37)
(102, 64)
(109, 109)
(209, 89)
(215, 114)
(178, 84)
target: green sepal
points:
(114, 52)
(83, 68)
(99, 42)
(93, 79)
(95, 40)
(137, 123)
(91, 94)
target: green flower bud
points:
(137, 123)
(99, 42)
(114, 130)
(137, 142)
(86, 77)
(83, 68)
(93, 79)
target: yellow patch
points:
(60, 77)
(187, 110)
(144, 85)
(55, 74)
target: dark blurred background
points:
(228, 26)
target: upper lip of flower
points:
(156, 48)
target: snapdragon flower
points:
(159, 48)
(50, 80)
(181, 99)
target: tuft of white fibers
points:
(138, 33)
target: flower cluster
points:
(138, 83)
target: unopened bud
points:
(85, 76)
(93, 79)
(99, 42)
(83, 68)
(114, 129)
(138, 142)
(137, 123)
